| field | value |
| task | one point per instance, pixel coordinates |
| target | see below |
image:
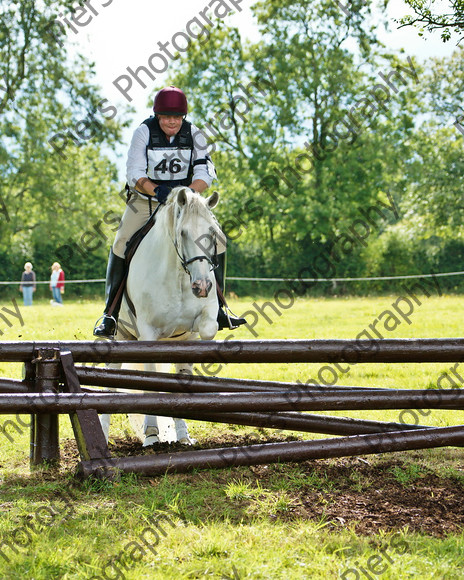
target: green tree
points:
(430, 234)
(430, 17)
(434, 204)
(56, 182)
(299, 83)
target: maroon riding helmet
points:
(170, 101)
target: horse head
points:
(198, 236)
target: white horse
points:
(171, 288)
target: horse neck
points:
(163, 236)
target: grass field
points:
(393, 516)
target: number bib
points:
(168, 164)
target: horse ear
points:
(182, 197)
(212, 200)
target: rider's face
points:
(170, 124)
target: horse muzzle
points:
(201, 288)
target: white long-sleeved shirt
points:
(136, 166)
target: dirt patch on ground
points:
(429, 505)
(367, 494)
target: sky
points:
(124, 33)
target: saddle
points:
(134, 242)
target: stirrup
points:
(233, 321)
(101, 329)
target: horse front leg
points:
(184, 368)
(145, 427)
(105, 418)
(150, 430)
(156, 429)
(105, 421)
(182, 434)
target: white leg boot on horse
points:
(184, 368)
(151, 431)
(105, 421)
(182, 433)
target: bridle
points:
(186, 262)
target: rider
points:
(166, 151)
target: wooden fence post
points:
(45, 427)
(29, 375)
(86, 425)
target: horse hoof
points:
(187, 441)
(150, 440)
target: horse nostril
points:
(201, 288)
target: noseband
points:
(213, 263)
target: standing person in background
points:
(27, 286)
(57, 284)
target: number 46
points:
(174, 166)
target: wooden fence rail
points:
(394, 350)
(53, 385)
(170, 404)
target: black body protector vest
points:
(170, 163)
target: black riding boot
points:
(115, 273)
(224, 320)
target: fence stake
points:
(86, 425)
(45, 427)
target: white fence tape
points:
(288, 279)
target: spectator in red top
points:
(57, 284)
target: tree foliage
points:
(430, 17)
(48, 198)
(295, 168)
(313, 125)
